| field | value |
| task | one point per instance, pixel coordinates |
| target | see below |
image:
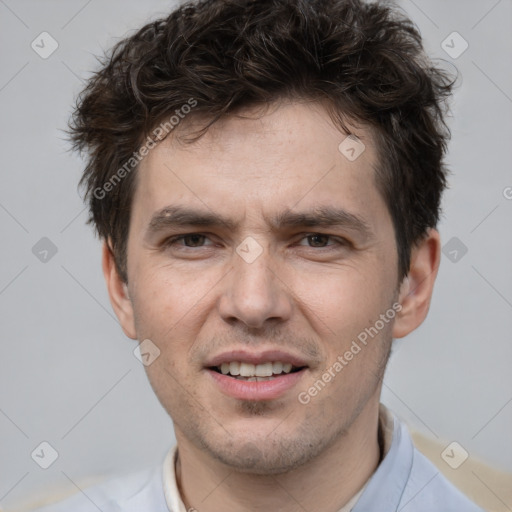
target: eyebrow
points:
(323, 216)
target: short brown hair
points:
(365, 60)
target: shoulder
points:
(142, 490)
(406, 480)
(428, 489)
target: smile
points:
(255, 372)
(253, 387)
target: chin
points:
(265, 456)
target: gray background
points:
(68, 375)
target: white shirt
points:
(405, 481)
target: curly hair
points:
(364, 60)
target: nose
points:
(255, 294)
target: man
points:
(266, 177)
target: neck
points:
(326, 483)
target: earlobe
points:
(417, 287)
(118, 292)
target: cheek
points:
(167, 299)
(344, 299)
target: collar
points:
(386, 486)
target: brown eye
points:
(189, 240)
(195, 240)
(318, 240)
(321, 240)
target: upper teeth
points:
(255, 370)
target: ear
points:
(118, 293)
(417, 287)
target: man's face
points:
(263, 287)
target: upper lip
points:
(244, 356)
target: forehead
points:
(287, 158)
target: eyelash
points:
(338, 240)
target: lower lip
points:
(264, 390)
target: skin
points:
(308, 296)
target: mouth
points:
(267, 375)
(250, 372)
